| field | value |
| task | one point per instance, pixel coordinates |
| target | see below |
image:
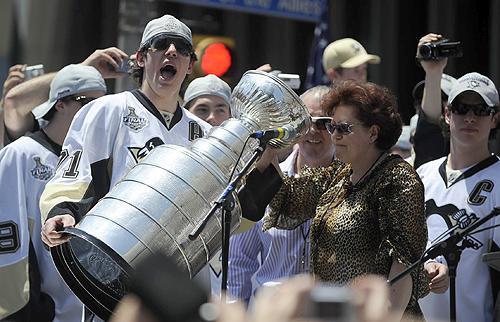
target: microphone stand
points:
(226, 202)
(452, 252)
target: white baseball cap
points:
(478, 83)
(71, 80)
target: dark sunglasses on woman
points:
(341, 127)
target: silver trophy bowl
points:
(159, 202)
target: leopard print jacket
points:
(357, 229)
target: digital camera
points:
(329, 302)
(292, 80)
(124, 67)
(33, 71)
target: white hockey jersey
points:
(448, 199)
(105, 140)
(26, 165)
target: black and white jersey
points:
(26, 165)
(105, 140)
(458, 196)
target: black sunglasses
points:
(164, 42)
(321, 121)
(82, 99)
(477, 109)
(341, 127)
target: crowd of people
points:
(358, 199)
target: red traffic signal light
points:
(215, 55)
(216, 59)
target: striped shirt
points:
(257, 257)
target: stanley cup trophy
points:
(159, 202)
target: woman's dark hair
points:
(138, 72)
(374, 105)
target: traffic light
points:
(216, 55)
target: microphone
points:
(281, 133)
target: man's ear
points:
(495, 120)
(331, 74)
(140, 57)
(191, 66)
(59, 106)
(447, 114)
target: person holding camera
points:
(20, 96)
(116, 131)
(461, 187)
(32, 289)
(15, 77)
(429, 141)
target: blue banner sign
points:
(293, 9)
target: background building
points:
(58, 32)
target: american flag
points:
(315, 73)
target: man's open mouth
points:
(168, 71)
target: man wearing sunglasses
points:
(107, 139)
(461, 186)
(31, 286)
(276, 254)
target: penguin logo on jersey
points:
(454, 218)
(195, 131)
(41, 171)
(134, 121)
(138, 153)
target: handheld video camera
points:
(441, 48)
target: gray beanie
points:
(208, 85)
(166, 25)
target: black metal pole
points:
(226, 235)
(453, 305)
